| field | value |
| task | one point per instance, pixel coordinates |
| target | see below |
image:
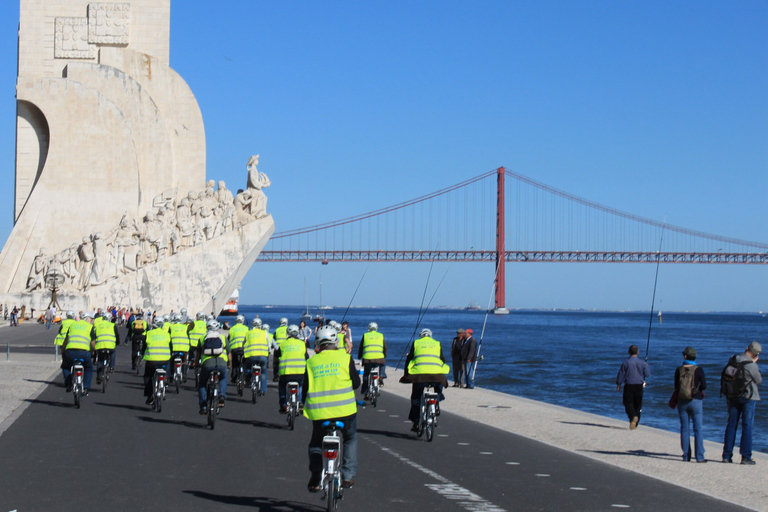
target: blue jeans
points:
(205, 372)
(262, 362)
(744, 409)
(100, 363)
(348, 433)
(469, 373)
(691, 410)
(66, 364)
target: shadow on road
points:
(264, 504)
(637, 453)
(150, 419)
(50, 402)
(394, 435)
(57, 384)
(124, 406)
(255, 423)
(592, 425)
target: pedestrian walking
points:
(632, 375)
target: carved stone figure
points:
(126, 246)
(85, 254)
(153, 235)
(243, 201)
(37, 272)
(99, 268)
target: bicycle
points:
(293, 403)
(428, 412)
(138, 358)
(212, 390)
(104, 357)
(177, 376)
(76, 375)
(332, 458)
(240, 379)
(255, 382)
(158, 386)
(374, 391)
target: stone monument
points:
(110, 192)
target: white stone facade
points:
(104, 128)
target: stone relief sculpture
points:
(172, 226)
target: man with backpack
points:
(690, 384)
(739, 382)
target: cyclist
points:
(157, 355)
(107, 338)
(425, 364)
(373, 353)
(78, 344)
(280, 336)
(137, 333)
(235, 341)
(256, 351)
(196, 335)
(328, 394)
(64, 328)
(180, 342)
(293, 363)
(210, 362)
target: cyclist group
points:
(327, 380)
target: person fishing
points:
(632, 375)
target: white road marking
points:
(486, 453)
(442, 435)
(513, 463)
(541, 474)
(615, 505)
(578, 488)
(463, 444)
(447, 489)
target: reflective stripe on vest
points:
(197, 333)
(426, 358)
(105, 336)
(373, 345)
(292, 360)
(158, 345)
(79, 336)
(65, 325)
(330, 386)
(256, 343)
(237, 336)
(179, 337)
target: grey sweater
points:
(752, 373)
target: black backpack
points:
(213, 346)
(733, 381)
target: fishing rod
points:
(353, 295)
(656, 280)
(487, 311)
(419, 319)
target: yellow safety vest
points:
(65, 325)
(292, 360)
(373, 345)
(79, 336)
(256, 343)
(426, 358)
(281, 334)
(158, 345)
(197, 333)
(97, 321)
(237, 335)
(330, 386)
(105, 336)
(223, 354)
(179, 337)
(342, 343)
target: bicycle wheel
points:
(177, 383)
(77, 398)
(254, 393)
(137, 358)
(104, 380)
(429, 427)
(331, 495)
(374, 398)
(291, 416)
(240, 387)
(158, 397)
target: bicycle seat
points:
(78, 360)
(328, 423)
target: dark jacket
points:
(469, 350)
(456, 347)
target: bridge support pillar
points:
(501, 253)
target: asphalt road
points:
(116, 454)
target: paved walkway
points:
(649, 451)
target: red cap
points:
(469, 331)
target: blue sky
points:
(659, 109)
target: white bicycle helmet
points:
(425, 333)
(293, 331)
(373, 326)
(326, 335)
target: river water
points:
(571, 358)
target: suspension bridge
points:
(471, 221)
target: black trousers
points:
(633, 400)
